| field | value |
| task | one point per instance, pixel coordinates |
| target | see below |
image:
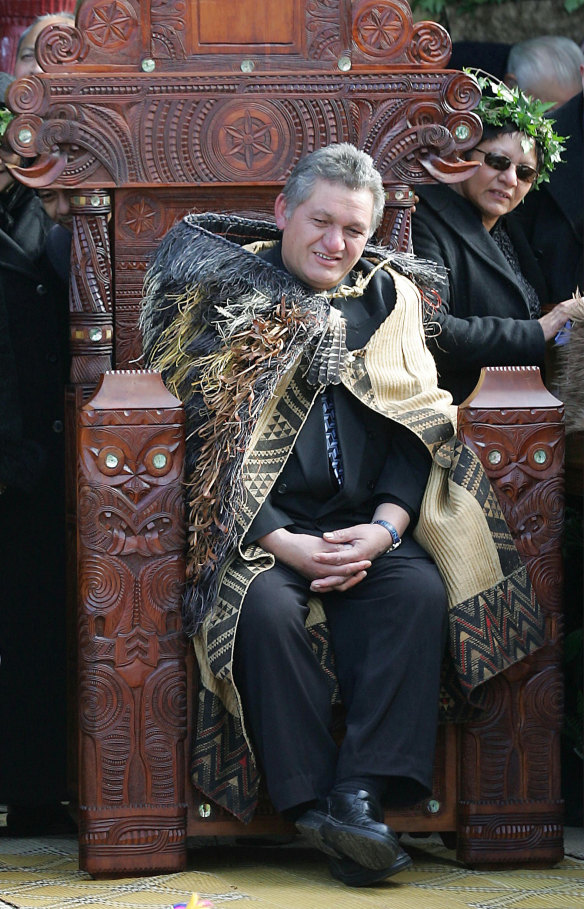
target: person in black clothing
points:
(33, 372)
(490, 311)
(553, 218)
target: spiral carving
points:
(544, 697)
(425, 113)
(58, 131)
(436, 137)
(27, 95)
(164, 580)
(23, 135)
(169, 703)
(400, 164)
(546, 575)
(102, 700)
(81, 169)
(88, 502)
(430, 44)
(98, 533)
(552, 506)
(168, 20)
(466, 129)
(169, 11)
(101, 583)
(60, 44)
(462, 92)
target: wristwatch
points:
(395, 537)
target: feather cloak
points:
(239, 341)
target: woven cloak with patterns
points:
(245, 346)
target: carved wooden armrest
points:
(132, 677)
(510, 808)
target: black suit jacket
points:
(484, 315)
(552, 216)
(382, 461)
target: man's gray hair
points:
(548, 56)
(341, 163)
(66, 13)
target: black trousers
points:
(388, 636)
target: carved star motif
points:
(140, 217)
(109, 24)
(250, 138)
(380, 28)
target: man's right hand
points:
(298, 551)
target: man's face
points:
(325, 236)
(7, 157)
(551, 91)
(57, 204)
(26, 62)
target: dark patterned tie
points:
(332, 439)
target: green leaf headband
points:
(501, 105)
(5, 117)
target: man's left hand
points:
(352, 544)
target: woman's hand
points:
(557, 317)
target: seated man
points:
(313, 413)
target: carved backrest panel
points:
(209, 104)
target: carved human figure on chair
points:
(313, 412)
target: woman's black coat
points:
(484, 315)
(33, 371)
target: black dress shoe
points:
(353, 875)
(310, 826)
(349, 825)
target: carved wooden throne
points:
(149, 109)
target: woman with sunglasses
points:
(490, 308)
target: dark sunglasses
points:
(525, 172)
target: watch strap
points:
(395, 537)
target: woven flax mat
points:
(44, 874)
